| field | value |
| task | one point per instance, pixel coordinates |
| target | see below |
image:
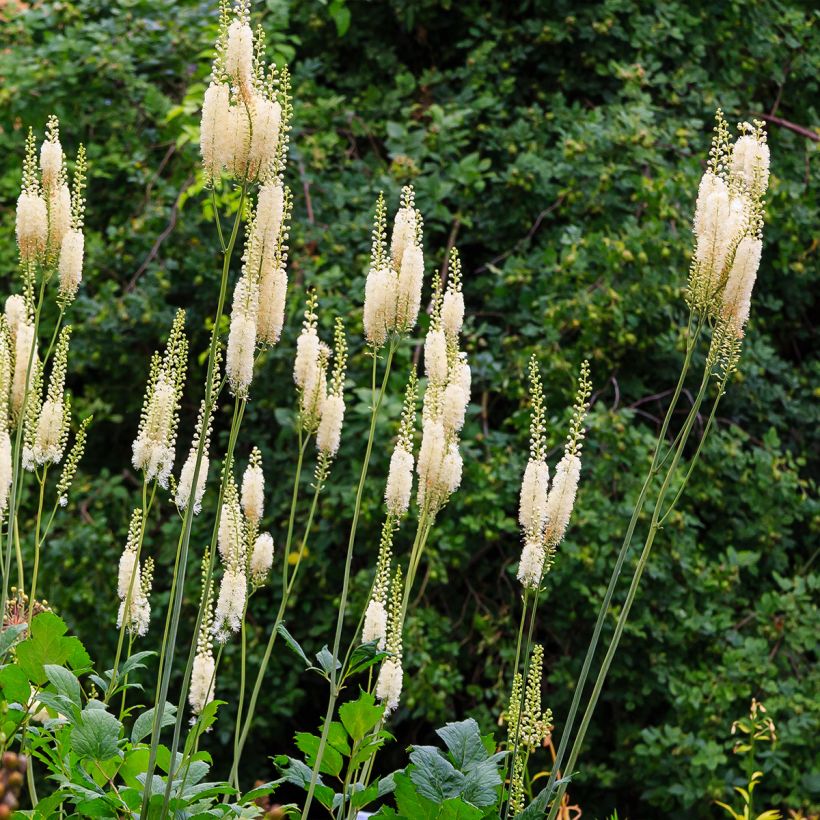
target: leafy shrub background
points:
(559, 144)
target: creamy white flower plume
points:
(389, 684)
(50, 437)
(261, 558)
(239, 52)
(454, 406)
(51, 162)
(561, 498)
(128, 569)
(230, 532)
(737, 295)
(307, 356)
(71, 263)
(230, 605)
(266, 119)
(435, 356)
(375, 624)
(329, 433)
(452, 312)
(201, 691)
(16, 313)
(750, 161)
(532, 510)
(32, 225)
(239, 140)
(24, 364)
(380, 304)
(5, 469)
(59, 216)
(531, 565)
(273, 287)
(411, 279)
(399, 482)
(253, 488)
(215, 142)
(153, 449)
(404, 234)
(186, 479)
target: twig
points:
(529, 235)
(172, 221)
(791, 126)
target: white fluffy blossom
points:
(452, 312)
(201, 691)
(380, 304)
(51, 162)
(532, 508)
(229, 538)
(238, 140)
(239, 52)
(128, 569)
(307, 356)
(273, 287)
(16, 313)
(738, 293)
(451, 470)
(186, 479)
(375, 624)
(261, 557)
(215, 129)
(230, 605)
(253, 492)
(71, 262)
(239, 356)
(153, 449)
(404, 233)
(32, 225)
(266, 120)
(561, 498)
(5, 469)
(399, 482)
(531, 565)
(750, 161)
(388, 686)
(59, 216)
(454, 406)
(411, 279)
(435, 356)
(24, 364)
(329, 433)
(49, 439)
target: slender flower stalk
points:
(714, 296)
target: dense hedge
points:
(559, 146)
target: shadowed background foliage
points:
(559, 145)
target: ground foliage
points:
(559, 145)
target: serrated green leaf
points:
(97, 735)
(308, 744)
(361, 715)
(15, 684)
(65, 682)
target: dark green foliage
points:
(559, 145)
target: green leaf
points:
(293, 644)
(481, 786)
(308, 744)
(65, 682)
(298, 774)
(463, 741)
(261, 791)
(15, 684)
(538, 807)
(46, 645)
(9, 636)
(361, 715)
(97, 735)
(337, 738)
(363, 657)
(325, 658)
(144, 724)
(433, 775)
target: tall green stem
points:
(280, 616)
(334, 687)
(37, 525)
(159, 705)
(624, 614)
(691, 342)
